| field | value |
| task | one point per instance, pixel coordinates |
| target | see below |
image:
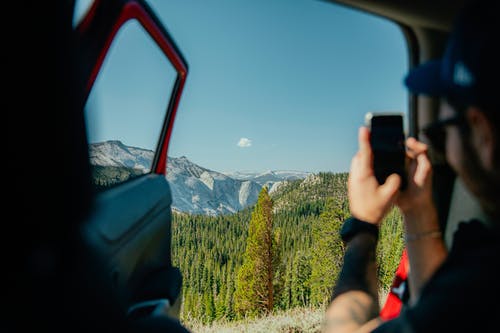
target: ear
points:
(482, 136)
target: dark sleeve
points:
(462, 296)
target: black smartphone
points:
(387, 139)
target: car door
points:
(120, 41)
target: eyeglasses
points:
(436, 133)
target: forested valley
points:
(282, 253)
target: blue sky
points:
(274, 84)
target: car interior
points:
(93, 260)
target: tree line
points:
(283, 252)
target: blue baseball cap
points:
(468, 72)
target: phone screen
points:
(388, 144)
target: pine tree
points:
(255, 282)
(209, 307)
(186, 304)
(327, 252)
(389, 247)
(278, 266)
(229, 304)
(286, 294)
(220, 304)
(301, 274)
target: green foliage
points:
(389, 248)
(209, 306)
(204, 244)
(307, 252)
(104, 177)
(300, 290)
(327, 252)
(255, 284)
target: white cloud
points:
(244, 142)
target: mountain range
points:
(268, 178)
(195, 189)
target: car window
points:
(265, 132)
(126, 107)
(82, 8)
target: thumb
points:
(391, 186)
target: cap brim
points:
(426, 79)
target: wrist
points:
(353, 227)
(421, 221)
(417, 208)
(430, 234)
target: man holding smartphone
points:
(450, 291)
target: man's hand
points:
(418, 195)
(368, 200)
(426, 254)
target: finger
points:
(354, 165)
(411, 140)
(423, 170)
(364, 139)
(415, 146)
(365, 149)
(410, 154)
(412, 167)
(390, 188)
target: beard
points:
(483, 183)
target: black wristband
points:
(352, 226)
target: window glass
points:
(278, 85)
(126, 108)
(276, 93)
